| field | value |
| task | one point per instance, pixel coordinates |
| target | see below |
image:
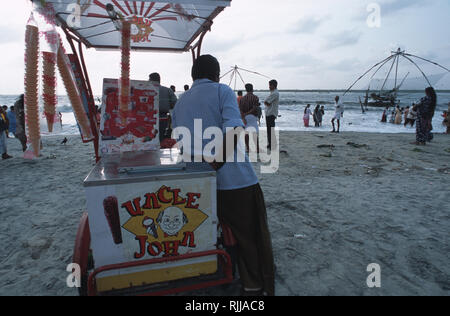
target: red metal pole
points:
(91, 104)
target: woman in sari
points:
(306, 115)
(425, 113)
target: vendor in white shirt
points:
(240, 200)
(339, 113)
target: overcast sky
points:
(307, 44)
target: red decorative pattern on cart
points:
(141, 15)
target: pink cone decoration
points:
(49, 88)
(124, 89)
(31, 86)
(74, 95)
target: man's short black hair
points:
(155, 77)
(206, 67)
(274, 83)
(249, 87)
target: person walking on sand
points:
(19, 110)
(3, 140)
(425, 113)
(4, 114)
(248, 106)
(339, 113)
(12, 120)
(240, 200)
(271, 110)
(239, 96)
(306, 115)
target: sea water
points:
(292, 106)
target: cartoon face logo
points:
(172, 220)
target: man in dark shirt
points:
(249, 105)
(167, 101)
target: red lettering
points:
(191, 198)
(152, 251)
(142, 240)
(176, 199)
(134, 209)
(171, 248)
(188, 236)
(151, 201)
(161, 197)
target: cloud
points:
(345, 65)
(307, 25)
(390, 7)
(344, 38)
(387, 7)
(215, 44)
(303, 61)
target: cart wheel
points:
(82, 254)
(229, 243)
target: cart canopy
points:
(169, 25)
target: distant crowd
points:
(12, 121)
(420, 114)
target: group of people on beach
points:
(12, 121)
(317, 115)
(406, 116)
(420, 114)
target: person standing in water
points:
(322, 114)
(385, 115)
(307, 115)
(317, 116)
(339, 113)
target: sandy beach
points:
(337, 204)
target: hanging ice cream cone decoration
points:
(124, 88)
(31, 85)
(49, 88)
(73, 94)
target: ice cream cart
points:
(152, 221)
(151, 224)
